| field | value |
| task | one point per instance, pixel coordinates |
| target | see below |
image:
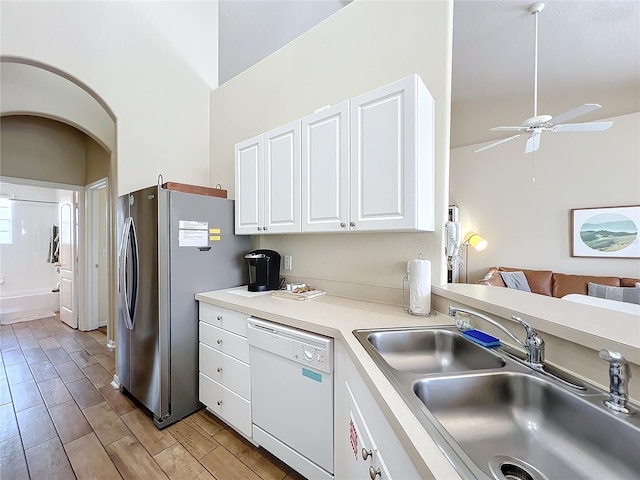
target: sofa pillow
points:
(540, 281)
(621, 294)
(492, 278)
(627, 282)
(515, 280)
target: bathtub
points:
(19, 306)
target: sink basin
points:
(516, 425)
(430, 351)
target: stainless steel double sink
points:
(496, 418)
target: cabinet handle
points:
(259, 228)
(219, 341)
(366, 453)
(219, 318)
(219, 369)
(374, 472)
(352, 224)
(265, 229)
(342, 224)
(219, 402)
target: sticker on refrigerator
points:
(192, 225)
(192, 233)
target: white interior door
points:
(67, 258)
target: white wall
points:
(528, 224)
(160, 102)
(361, 47)
(24, 264)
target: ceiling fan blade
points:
(583, 127)
(496, 143)
(533, 143)
(506, 129)
(576, 112)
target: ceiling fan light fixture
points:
(535, 125)
(536, 7)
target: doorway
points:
(39, 249)
(98, 266)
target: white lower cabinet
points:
(365, 445)
(225, 378)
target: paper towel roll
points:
(419, 273)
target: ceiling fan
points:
(534, 126)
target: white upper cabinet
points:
(282, 179)
(325, 170)
(249, 182)
(366, 164)
(267, 182)
(392, 153)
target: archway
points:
(35, 89)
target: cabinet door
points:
(388, 143)
(363, 457)
(249, 204)
(360, 423)
(325, 170)
(282, 179)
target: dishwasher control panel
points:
(311, 355)
(306, 348)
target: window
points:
(6, 217)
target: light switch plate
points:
(288, 262)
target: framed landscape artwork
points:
(606, 232)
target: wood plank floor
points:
(61, 419)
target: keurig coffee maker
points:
(264, 270)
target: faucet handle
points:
(526, 326)
(534, 344)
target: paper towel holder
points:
(405, 307)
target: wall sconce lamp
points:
(478, 243)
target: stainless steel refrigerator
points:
(171, 246)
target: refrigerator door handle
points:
(129, 304)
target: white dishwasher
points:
(292, 396)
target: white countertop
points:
(587, 325)
(337, 317)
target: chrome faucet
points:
(533, 344)
(619, 375)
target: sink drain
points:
(515, 472)
(509, 468)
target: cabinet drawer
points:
(226, 370)
(235, 322)
(229, 406)
(225, 341)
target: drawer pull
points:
(219, 318)
(365, 453)
(219, 341)
(374, 472)
(219, 369)
(219, 402)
